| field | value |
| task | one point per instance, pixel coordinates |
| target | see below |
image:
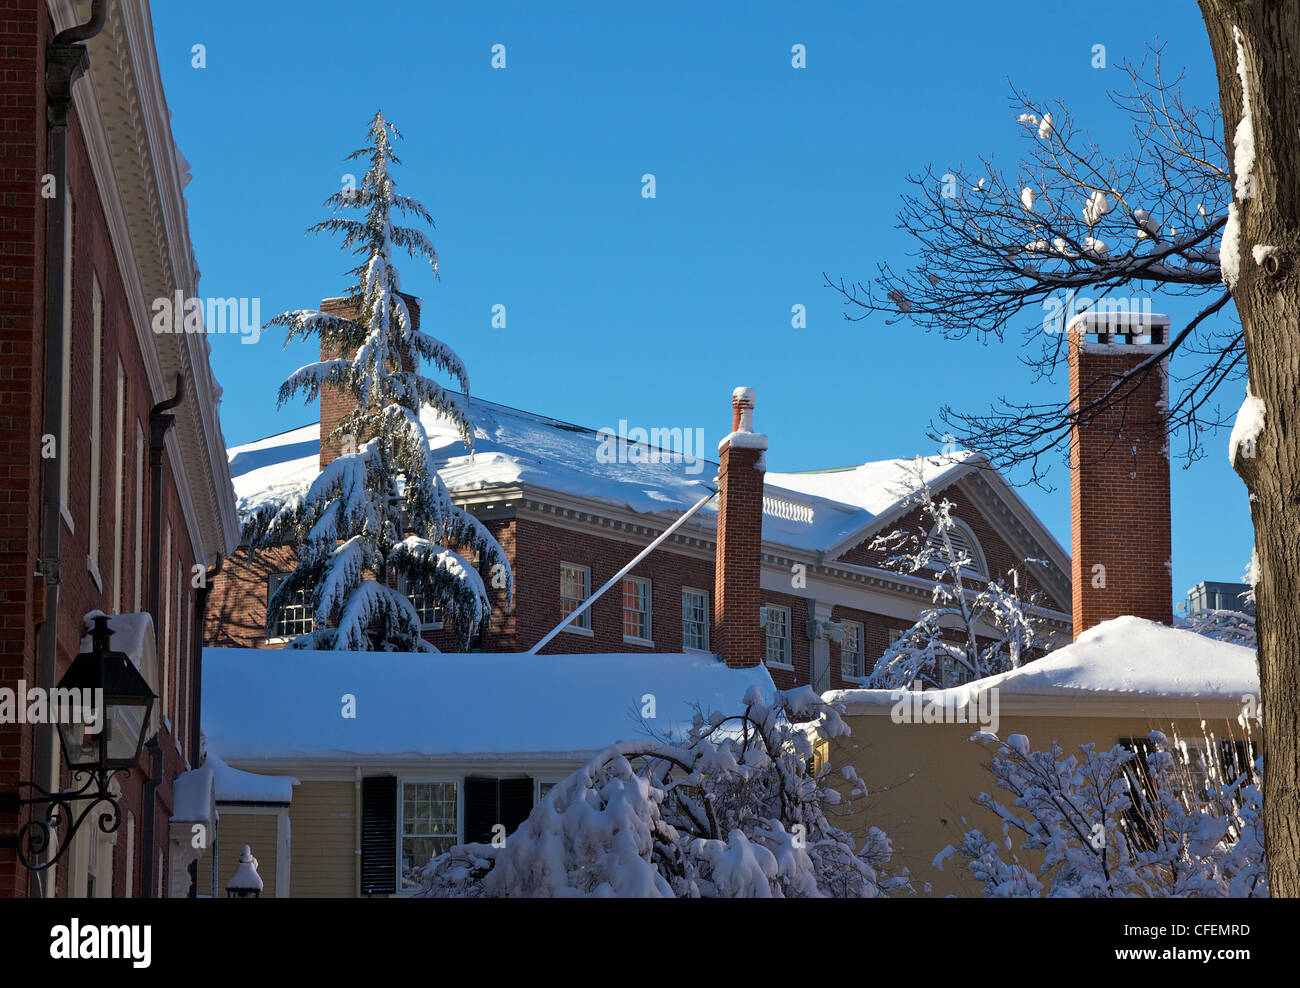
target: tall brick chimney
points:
(335, 404)
(1121, 542)
(738, 636)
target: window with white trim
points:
(65, 422)
(427, 828)
(778, 636)
(695, 620)
(852, 660)
(139, 518)
(296, 618)
(430, 611)
(575, 587)
(119, 466)
(636, 608)
(165, 562)
(96, 423)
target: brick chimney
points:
(738, 636)
(335, 404)
(1121, 542)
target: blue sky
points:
(652, 310)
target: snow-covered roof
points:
(234, 785)
(811, 510)
(1124, 658)
(286, 704)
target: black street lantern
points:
(105, 740)
(123, 711)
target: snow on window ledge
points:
(645, 642)
(779, 665)
(571, 629)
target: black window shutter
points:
(480, 810)
(516, 802)
(379, 834)
(489, 802)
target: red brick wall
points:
(1000, 557)
(24, 27)
(24, 32)
(740, 638)
(1119, 494)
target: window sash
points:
(428, 824)
(695, 620)
(851, 653)
(778, 635)
(636, 608)
(575, 587)
(296, 619)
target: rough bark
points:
(1268, 300)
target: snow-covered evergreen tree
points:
(941, 648)
(380, 509)
(1115, 823)
(734, 810)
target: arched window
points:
(965, 544)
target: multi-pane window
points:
(695, 620)
(296, 618)
(575, 587)
(636, 608)
(852, 664)
(428, 826)
(430, 611)
(778, 635)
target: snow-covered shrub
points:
(379, 510)
(941, 648)
(732, 810)
(1236, 627)
(1167, 821)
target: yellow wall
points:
(923, 778)
(322, 822)
(234, 830)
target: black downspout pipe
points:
(65, 60)
(159, 423)
(196, 694)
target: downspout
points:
(159, 423)
(65, 60)
(196, 693)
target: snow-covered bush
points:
(941, 648)
(1236, 627)
(379, 509)
(732, 810)
(1174, 820)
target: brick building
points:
(571, 506)
(131, 505)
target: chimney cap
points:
(742, 398)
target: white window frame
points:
(308, 616)
(166, 563)
(646, 596)
(96, 426)
(705, 622)
(65, 421)
(119, 467)
(458, 823)
(176, 686)
(581, 625)
(139, 518)
(787, 661)
(860, 668)
(424, 626)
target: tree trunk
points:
(1268, 300)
